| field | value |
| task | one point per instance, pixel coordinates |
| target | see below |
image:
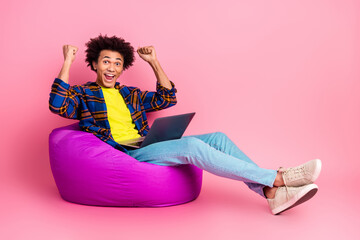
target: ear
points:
(94, 64)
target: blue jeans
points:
(214, 153)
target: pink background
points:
(280, 78)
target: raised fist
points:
(69, 52)
(147, 53)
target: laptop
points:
(163, 129)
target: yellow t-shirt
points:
(121, 124)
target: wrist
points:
(68, 61)
(155, 64)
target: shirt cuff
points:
(62, 83)
(161, 87)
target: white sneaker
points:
(301, 175)
(289, 197)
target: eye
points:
(106, 61)
(118, 64)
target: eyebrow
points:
(110, 58)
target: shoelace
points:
(297, 172)
(282, 170)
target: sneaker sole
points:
(317, 170)
(305, 194)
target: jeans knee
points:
(192, 143)
(220, 135)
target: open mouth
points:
(109, 77)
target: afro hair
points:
(96, 45)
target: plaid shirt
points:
(86, 103)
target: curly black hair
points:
(96, 45)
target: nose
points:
(111, 67)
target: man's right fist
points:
(69, 52)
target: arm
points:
(64, 100)
(161, 99)
(164, 96)
(69, 57)
(148, 54)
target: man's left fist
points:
(147, 53)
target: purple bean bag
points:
(88, 171)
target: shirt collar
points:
(117, 84)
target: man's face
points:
(109, 67)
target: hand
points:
(69, 52)
(147, 53)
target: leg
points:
(222, 143)
(191, 150)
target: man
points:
(115, 112)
